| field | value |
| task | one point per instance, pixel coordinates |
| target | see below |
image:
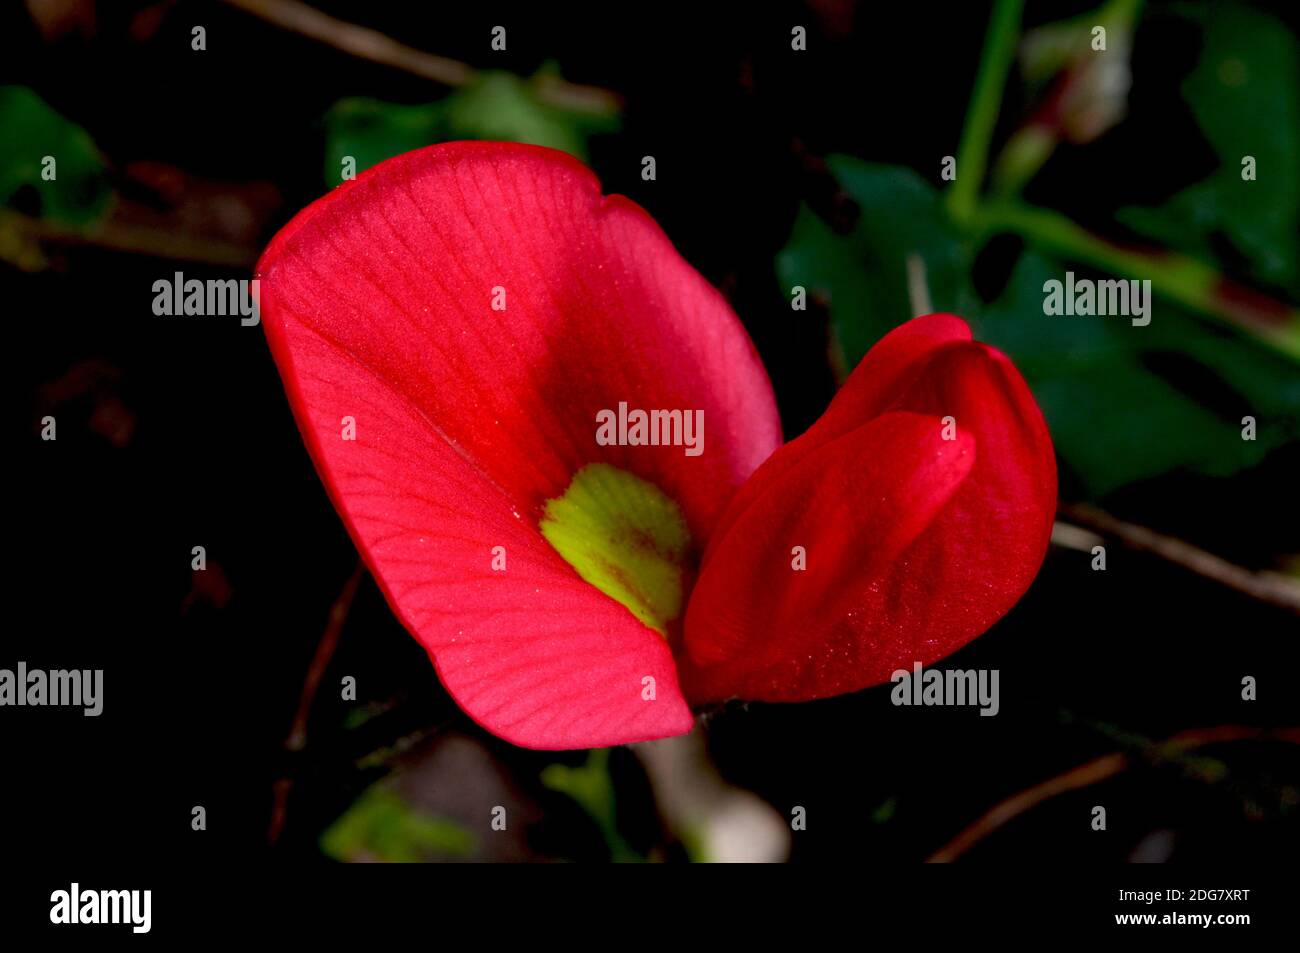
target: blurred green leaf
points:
(1116, 413)
(504, 107)
(494, 106)
(864, 275)
(885, 812)
(370, 131)
(1114, 419)
(79, 194)
(381, 826)
(1245, 94)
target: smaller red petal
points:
(853, 506)
(912, 550)
(887, 368)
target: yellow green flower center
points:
(626, 537)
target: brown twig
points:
(1272, 588)
(325, 648)
(1099, 769)
(329, 641)
(368, 44)
(132, 238)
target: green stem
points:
(985, 103)
(1182, 279)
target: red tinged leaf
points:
(914, 544)
(378, 301)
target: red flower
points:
(467, 334)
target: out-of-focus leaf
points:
(381, 826)
(494, 106)
(1245, 94)
(79, 193)
(1114, 417)
(863, 275)
(885, 812)
(368, 131)
(1123, 403)
(502, 106)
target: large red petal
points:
(923, 555)
(378, 304)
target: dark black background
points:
(197, 703)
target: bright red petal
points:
(879, 378)
(378, 304)
(915, 544)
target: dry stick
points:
(1107, 766)
(136, 239)
(297, 739)
(329, 641)
(368, 44)
(1272, 588)
(1069, 536)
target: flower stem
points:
(985, 104)
(1180, 278)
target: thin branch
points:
(1180, 278)
(1099, 769)
(325, 648)
(1273, 588)
(918, 289)
(134, 239)
(368, 44)
(329, 642)
(1069, 536)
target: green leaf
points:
(79, 193)
(368, 131)
(494, 106)
(864, 275)
(1245, 95)
(1116, 415)
(380, 825)
(1113, 419)
(502, 106)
